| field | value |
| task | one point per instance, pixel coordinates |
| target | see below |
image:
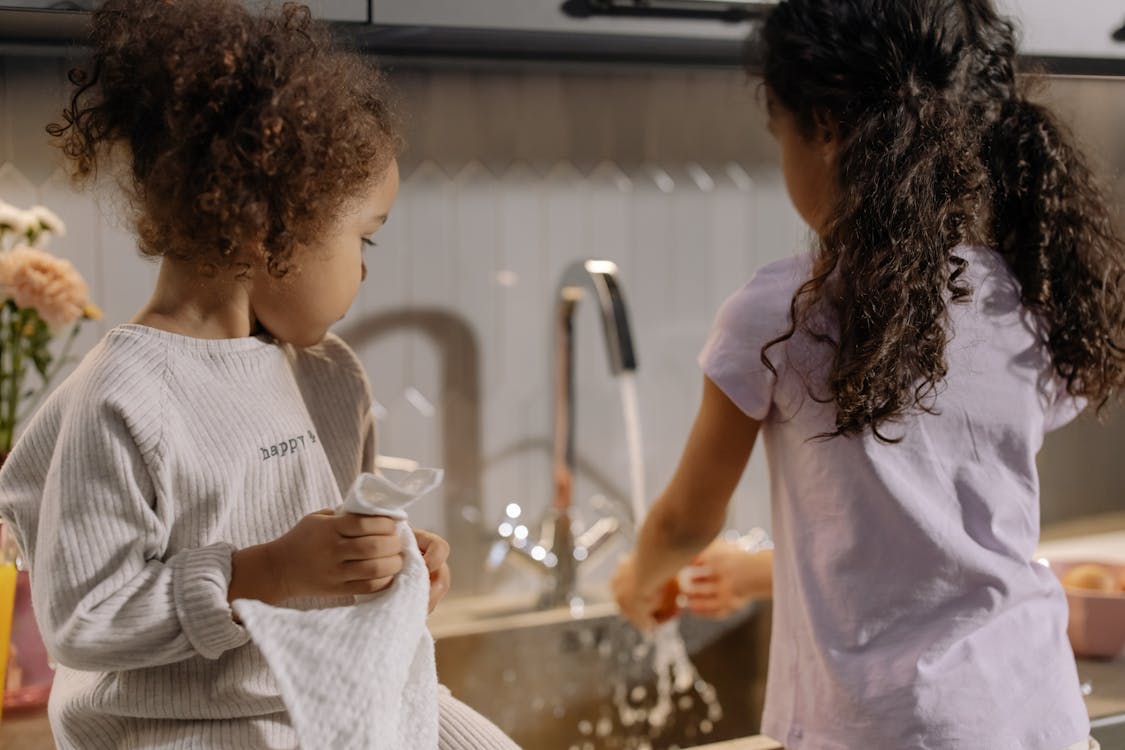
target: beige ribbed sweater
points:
(128, 491)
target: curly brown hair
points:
(939, 148)
(241, 130)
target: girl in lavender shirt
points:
(966, 294)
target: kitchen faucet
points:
(556, 552)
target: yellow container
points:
(7, 604)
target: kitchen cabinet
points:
(47, 4)
(327, 10)
(1069, 30)
(535, 17)
(1069, 38)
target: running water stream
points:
(628, 384)
(645, 709)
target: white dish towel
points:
(360, 677)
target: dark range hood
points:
(1086, 41)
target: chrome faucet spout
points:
(596, 279)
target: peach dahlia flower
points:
(48, 284)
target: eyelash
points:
(368, 243)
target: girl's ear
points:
(827, 138)
(829, 141)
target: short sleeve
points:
(1063, 409)
(749, 319)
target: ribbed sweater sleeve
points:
(106, 598)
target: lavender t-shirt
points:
(908, 612)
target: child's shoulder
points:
(121, 379)
(332, 357)
(765, 299)
(780, 278)
(121, 363)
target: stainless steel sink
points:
(549, 678)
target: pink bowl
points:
(1097, 620)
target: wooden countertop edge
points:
(757, 742)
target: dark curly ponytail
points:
(1052, 225)
(1050, 220)
(937, 150)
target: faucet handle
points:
(589, 542)
(520, 543)
(616, 521)
(618, 509)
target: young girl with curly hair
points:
(185, 463)
(965, 296)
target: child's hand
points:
(330, 555)
(638, 607)
(435, 551)
(726, 578)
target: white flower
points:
(46, 220)
(15, 220)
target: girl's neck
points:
(189, 303)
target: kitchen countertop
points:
(757, 742)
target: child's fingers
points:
(435, 550)
(712, 603)
(352, 524)
(704, 604)
(440, 581)
(370, 570)
(369, 586)
(435, 560)
(707, 607)
(704, 589)
(441, 577)
(701, 581)
(368, 547)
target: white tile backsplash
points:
(490, 250)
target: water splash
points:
(647, 714)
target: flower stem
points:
(16, 322)
(58, 364)
(12, 375)
(5, 355)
